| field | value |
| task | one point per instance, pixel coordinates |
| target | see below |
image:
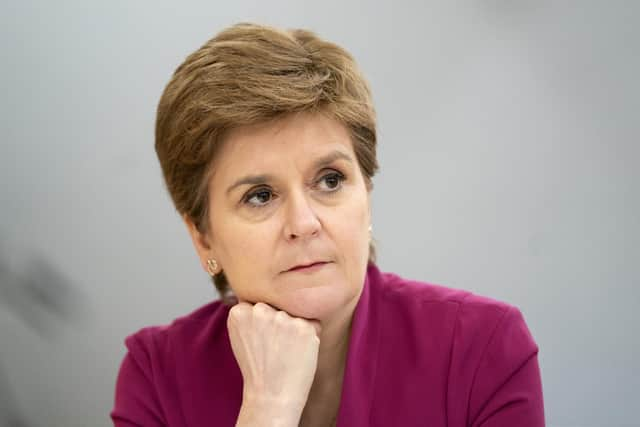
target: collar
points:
(361, 364)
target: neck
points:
(324, 397)
(332, 355)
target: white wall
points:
(508, 149)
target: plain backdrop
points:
(508, 145)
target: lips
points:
(307, 266)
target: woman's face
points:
(290, 194)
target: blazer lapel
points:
(362, 356)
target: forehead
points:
(295, 138)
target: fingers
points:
(261, 314)
(276, 352)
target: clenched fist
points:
(278, 356)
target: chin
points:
(317, 302)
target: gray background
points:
(508, 149)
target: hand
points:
(278, 356)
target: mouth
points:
(308, 268)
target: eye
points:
(258, 198)
(331, 181)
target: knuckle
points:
(238, 313)
(282, 318)
(261, 310)
(302, 326)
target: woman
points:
(267, 144)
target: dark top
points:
(419, 355)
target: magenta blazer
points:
(419, 355)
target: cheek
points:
(350, 229)
(245, 251)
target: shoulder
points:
(165, 363)
(150, 344)
(481, 346)
(476, 325)
(402, 293)
(403, 289)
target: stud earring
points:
(212, 266)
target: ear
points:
(201, 242)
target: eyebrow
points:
(319, 163)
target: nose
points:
(301, 220)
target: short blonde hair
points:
(248, 74)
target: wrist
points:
(269, 411)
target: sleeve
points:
(507, 389)
(136, 400)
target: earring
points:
(212, 266)
(370, 228)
